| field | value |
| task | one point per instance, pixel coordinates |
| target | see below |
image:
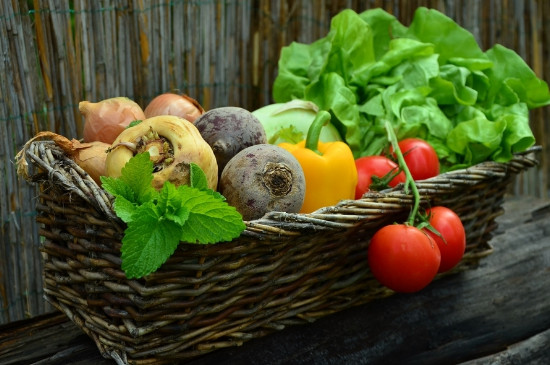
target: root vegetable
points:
(290, 121)
(172, 142)
(263, 178)
(89, 156)
(229, 130)
(179, 105)
(105, 120)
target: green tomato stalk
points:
(409, 179)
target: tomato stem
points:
(409, 179)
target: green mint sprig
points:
(158, 220)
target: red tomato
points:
(420, 157)
(403, 258)
(449, 225)
(379, 166)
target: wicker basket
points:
(285, 269)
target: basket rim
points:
(397, 198)
(62, 170)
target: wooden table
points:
(497, 313)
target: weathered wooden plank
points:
(49, 338)
(533, 350)
(499, 311)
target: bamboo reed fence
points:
(56, 53)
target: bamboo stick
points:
(20, 90)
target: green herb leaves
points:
(158, 220)
(430, 80)
(149, 240)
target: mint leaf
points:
(197, 177)
(133, 187)
(123, 205)
(170, 204)
(138, 175)
(198, 180)
(134, 184)
(210, 219)
(124, 208)
(149, 240)
(158, 220)
(117, 187)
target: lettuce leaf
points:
(430, 80)
(512, 81)
(449, 39)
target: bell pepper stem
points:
(409, 179)
(312, 140)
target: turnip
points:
(229, 130)
(172, 143)
(263, 178)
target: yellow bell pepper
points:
(329, 168)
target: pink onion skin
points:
(106, 119)
(179, 105)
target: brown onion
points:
(89, 156)
(179, 105)
(106, 119)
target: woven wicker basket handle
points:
(53, 164)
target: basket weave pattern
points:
(285, 269)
